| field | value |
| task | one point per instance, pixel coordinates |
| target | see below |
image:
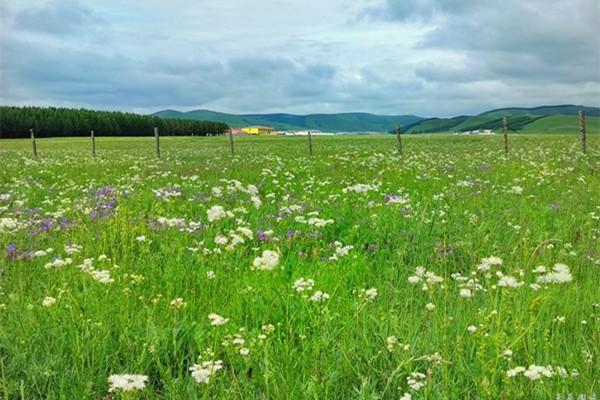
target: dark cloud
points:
(513, 40)
(58, 17)
(427, 57)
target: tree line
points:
(15, 122)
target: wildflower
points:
(302, 285)
(204, 371)
(244, 351)
(215, 213)
(416, 380)
(73, 249)
(11, 251)
(368, 294)
(511, 373)
(406, 396)
(466, 293)
(487, 263)
(472, 328)
(267, 262)
(58, 262)
(178, 303)
(210, 274)
(217, 320)
(319, 296)
(509, 281)
(560, 274)
(340, 250)
(516, 190)
(102, 276)
(141, 238)
(127, 382)
(430, 306)
(391, 343)
(535, 372)
(48, 301)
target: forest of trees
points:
(15, 122)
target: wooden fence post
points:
(157, 139)
(582, 131)
(505, 127)
(93, 143)
(231, 141)
(33, 145)
(398, 138)
(310, 143)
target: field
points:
(452, 271)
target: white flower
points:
(127, 382)
(391, 342)
(466, 293)
(58, 262)
(141, 238)
(302, 285)
(215, 213)
(368, 294)
(244, 351)
(178, 302)
(488, 262)
(406, 396)
(256, 201)
(560, 274)
(514, 371)
(319, 296)
(48, 301)
(203, 372)
(516, 190)
(268, 261)
(210, 274)
(430, 306)
(72, 249)
(416, 380)
(217, 320)
(509, 281)
(102, 276)
(472, 328)
(535, 372)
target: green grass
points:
(561, 124)
(456, 201)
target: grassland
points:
(452, 271)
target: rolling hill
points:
(543, 119)
(343, 122)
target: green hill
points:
(560, 118)
(342, 122)
(544, 119)
(562, 124)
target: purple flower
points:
(261, 236)
(11, 251)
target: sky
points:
(421, 57)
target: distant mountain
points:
(343, 122)
(543, 119)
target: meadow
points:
(451, 271)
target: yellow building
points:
(259, 130)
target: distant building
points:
(259, 130)
(480, 132)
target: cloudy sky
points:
(424, 57)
